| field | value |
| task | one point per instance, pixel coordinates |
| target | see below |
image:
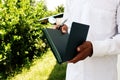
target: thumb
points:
(64, 29)
(78, 49)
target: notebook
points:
(64, 46)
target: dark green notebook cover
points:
(64, 46)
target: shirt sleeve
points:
(109, 46)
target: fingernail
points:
(64, 31)
(78, 49)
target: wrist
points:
(91, 49)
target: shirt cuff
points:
(99, 48)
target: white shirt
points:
(103, 16)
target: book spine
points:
(54, 49)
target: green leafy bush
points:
(60, 9)
(21, 37)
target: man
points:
(97, 57)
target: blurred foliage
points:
(60, 8)
(21, 37)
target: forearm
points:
(109, 46)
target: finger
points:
(64, 29)
(84, 51)
(81, 48)
(84, 45)
(81, 56)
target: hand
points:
(64, 28)
(84, 51)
